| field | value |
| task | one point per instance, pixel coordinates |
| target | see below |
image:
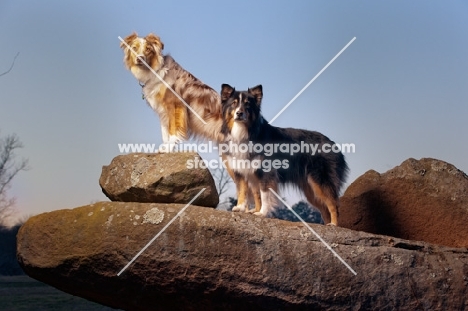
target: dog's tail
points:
(342, 171)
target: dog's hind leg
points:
(322, 198)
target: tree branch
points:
(222, 179)
(11, 67)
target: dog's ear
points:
(128, 39)
(257, 92)
(226, 91)
(155, 41)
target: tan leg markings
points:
(323, 200)
(180, 116)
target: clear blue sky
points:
(399, 91)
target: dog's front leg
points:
(167, 146)
(242, 196)
(178, 126)
(241, 187)
(165, 133)
(269, 201)
(254, 196)
(257, 199)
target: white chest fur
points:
(239, 132)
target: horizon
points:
(397, 92)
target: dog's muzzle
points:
(239, 116)
(141, 59)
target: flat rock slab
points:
(216, 260)
(158, 177)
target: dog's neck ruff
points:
(153, 80)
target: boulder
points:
(216, 260)
(425, 200)
(158, 177)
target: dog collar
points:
(142, 87)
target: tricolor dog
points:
(318, 175)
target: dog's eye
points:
(234, 103)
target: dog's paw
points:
(331, 224)
(238, 208)
(175, 140)
(243, 207)
(259, 214)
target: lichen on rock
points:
(153, 216)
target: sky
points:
(398, 91)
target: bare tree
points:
(222, 183)
(11, 67)
(9, 168)
(222, 180)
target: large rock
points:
(158, 177)
(216, 260)
(425, 200)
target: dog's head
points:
(140, 51)
(241, 109)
